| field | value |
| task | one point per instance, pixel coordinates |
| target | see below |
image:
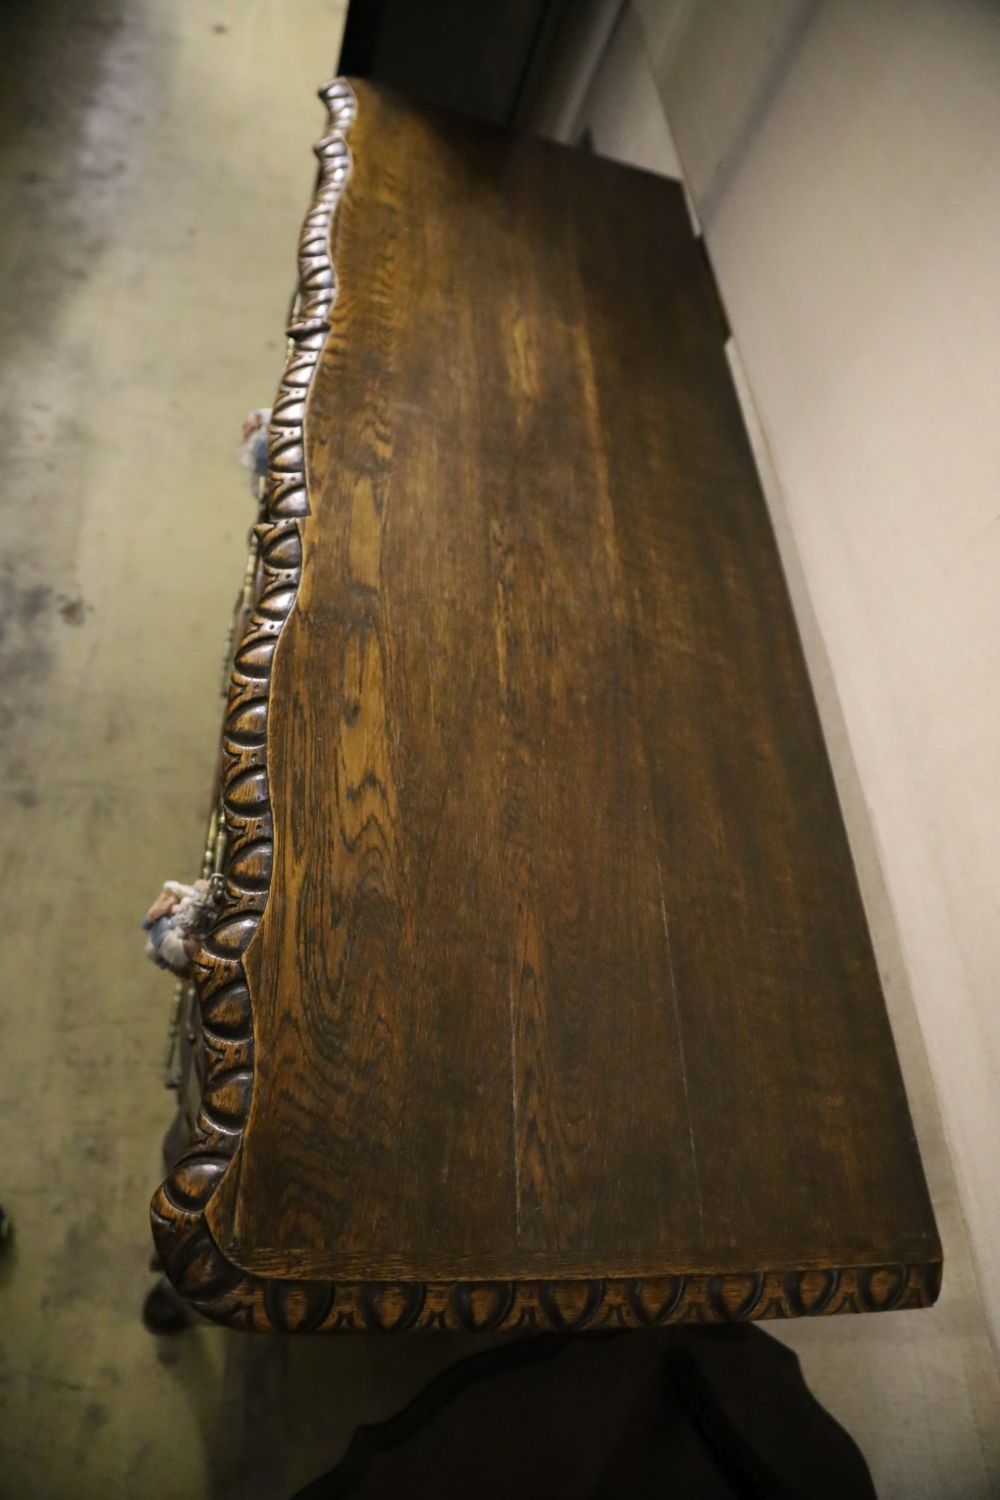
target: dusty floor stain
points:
(72, 611)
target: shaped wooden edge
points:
(220, 1290)
(196, 1266)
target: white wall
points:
(844, 160)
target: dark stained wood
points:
(544, 964)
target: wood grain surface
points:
(562, 973)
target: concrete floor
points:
(154, 167)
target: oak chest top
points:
(543, 993)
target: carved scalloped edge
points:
(223, 993)
(285, 489)
(196, 1265)
(220, 1290)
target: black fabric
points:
(676, 1414)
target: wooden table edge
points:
(222, 1290)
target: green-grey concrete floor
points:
(154, 168)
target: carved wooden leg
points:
(163, 1311)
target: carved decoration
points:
(285, 485)
(195, 1264)
(182, 1236)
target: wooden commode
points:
(540, 994)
